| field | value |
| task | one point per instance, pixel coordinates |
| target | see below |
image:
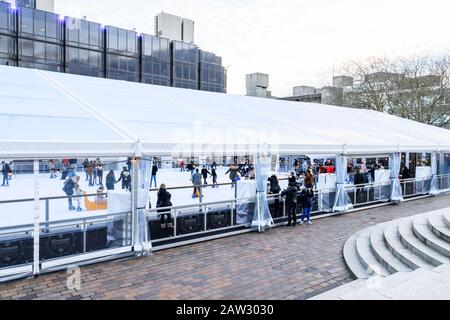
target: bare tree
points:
(416, 88)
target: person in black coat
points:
(275, 190)
(6, 170)
(306, 196)
(125, 177)
(291, 203)
(163, 201)
(214, 176)
(110, 180)
(154, 172)
(205, 173)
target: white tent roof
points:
(56, 114)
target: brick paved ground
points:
(280, 264)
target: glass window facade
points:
(155, 60)
(84, 34)
(37, 39)
(7, 19)
(8, 43)
(122, 59)
(185, 65)
(212, 73)
(84, 62)
(40, 55)
(40, 25)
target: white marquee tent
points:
(45, 114)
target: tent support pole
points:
(134, 203)
(36, 218)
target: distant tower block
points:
(257, 84)
(174, 28)
(45, 5)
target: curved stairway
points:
(412, 252)
(404, 245)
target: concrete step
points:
(351, 259)
(447, 219)
(423, 232)
(409, 240)
(382, 253)
(396, 247)
(438, 227)
(366, 257)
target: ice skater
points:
(234, 174)
(69, 188)
(205, 173)
(214, 176)
(6, 171)
(125, 177)
(197, 182)
(154, 172)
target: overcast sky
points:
(296, 41)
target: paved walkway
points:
(280, 264)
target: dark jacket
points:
(291, 195)
(274, 185)
(163, 199)
(6, 169)
(154, 170)
(110, 181)
(233, 171)
(68, 186)
(359, 178)
(306, 197)
(205, 173)
(125, 177)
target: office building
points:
(39, 39)
(45, 5)
(212, 73)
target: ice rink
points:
(22, 187)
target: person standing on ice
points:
(154, 172)
(100, 171)
(205, 173)
(214, 176)
(5, 171)
(68, 188)
(234, 174)
(78, 193)
(125, 177)
(182, 165)
(85, 165)
(90, 173)
(197, 182)
(51, 168)
(110, 180)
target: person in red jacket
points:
(330, 169)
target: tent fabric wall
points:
(262, 218)
(342, 202)
(396, 189)
(434, 186)
(49, 114)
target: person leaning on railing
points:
(275, 190)
(163, 201)
(291, 203)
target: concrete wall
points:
(333, 96)
(46, 5)
(169, 26)
(303, 90)
(188, 30)
(342, 81)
